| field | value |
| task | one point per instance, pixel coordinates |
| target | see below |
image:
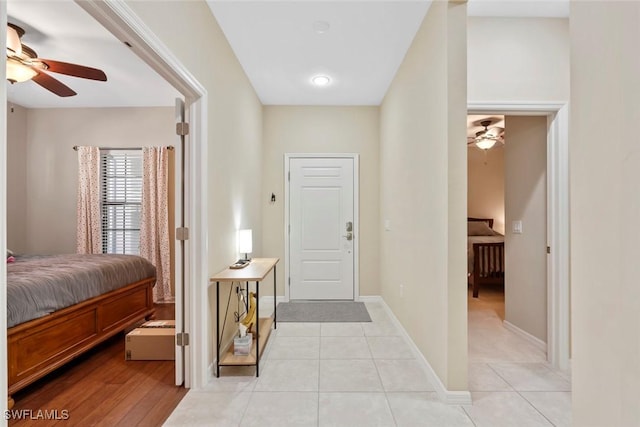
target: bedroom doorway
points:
(554, 117)
(118, 19)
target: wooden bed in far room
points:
(485, 253)
(39, 346)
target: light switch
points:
(516, 227)
(387, 225)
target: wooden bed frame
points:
(488, 262)
(37, 347)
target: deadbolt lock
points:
(349, 226)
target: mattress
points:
(39, 285)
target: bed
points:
(63, 305)
(485, 254)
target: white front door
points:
(322, 228)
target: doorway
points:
(321, 227)
(193, 333)
(557, 217)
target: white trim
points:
(446, 396)
(558, 310)
(266, 303)
(525, 335)
(3, 214)
(122, 22)
(356, 214)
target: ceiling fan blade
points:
(53, 85)
(74, 70)
(494, 132)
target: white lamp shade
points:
(245, 241)
(17, 72)
(485, 143)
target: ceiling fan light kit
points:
(23, 64)
(487, 138)
(485, 143)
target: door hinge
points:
(182, 339)
(288, 176)
(548, 249)
(289, 281)
(289, 228)
(182, 129)
(182, 233)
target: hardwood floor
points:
(100, 388)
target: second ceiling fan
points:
(23, 64)
(487, 138)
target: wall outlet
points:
(387, 225)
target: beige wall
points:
(485, 183)
(518, 59)
(52, 165)
(234, 131)
(323, 130)
(605, 206)
(423, 193)
(526, 200)
(17, 178)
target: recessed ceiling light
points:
(321, 27)
(321, 80)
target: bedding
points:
(39, 285)
(480, 228)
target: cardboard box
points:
(150, 343)
(159, 324)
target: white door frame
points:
(356, 215)
(123, 23)
(558, 303)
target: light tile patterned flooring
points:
(365, 374)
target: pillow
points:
(479, 228)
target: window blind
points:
(121, 197)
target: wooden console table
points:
(256, 271)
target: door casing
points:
(558, 283)
(356, 215)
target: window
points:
(121, 200)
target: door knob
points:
(348, 236)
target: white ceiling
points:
(280, 51)
(275, 42)
(61, 30)
(361, 51)
(473, 123)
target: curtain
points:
(154, 224)
(89, 226)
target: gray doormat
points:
(323, 311)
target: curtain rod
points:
(169, 147)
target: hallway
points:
(366, 374)
(510, 380)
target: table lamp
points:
(245, 242)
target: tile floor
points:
(365, 374)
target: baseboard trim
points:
(526, 335)
(446, 396)
(266, 305)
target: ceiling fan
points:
(488, 137)
(23, 64)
